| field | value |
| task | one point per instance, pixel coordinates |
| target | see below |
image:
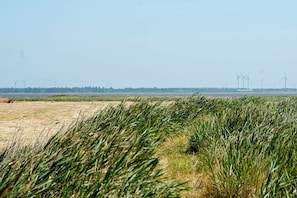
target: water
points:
(168, 94)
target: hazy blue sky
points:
(147, 43)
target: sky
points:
(148, 43)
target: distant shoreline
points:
(158, 94)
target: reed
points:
(109, 155)
(249, 148)
(232, 147)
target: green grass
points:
(249, 148)
(109, 155)
(189, 147)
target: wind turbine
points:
(238, 79)
(285, 79)
(243, 81)
(248, 81)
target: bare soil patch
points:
(28, 122)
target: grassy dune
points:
(191, 147)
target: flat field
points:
(32, 121)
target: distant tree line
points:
(124, 90)
(107, 90)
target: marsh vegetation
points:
(188, 147)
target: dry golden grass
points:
(30, 121)
(5, 100)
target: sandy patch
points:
(30, 121)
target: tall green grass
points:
(245, 147)
(248, 148)
(111, 154)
